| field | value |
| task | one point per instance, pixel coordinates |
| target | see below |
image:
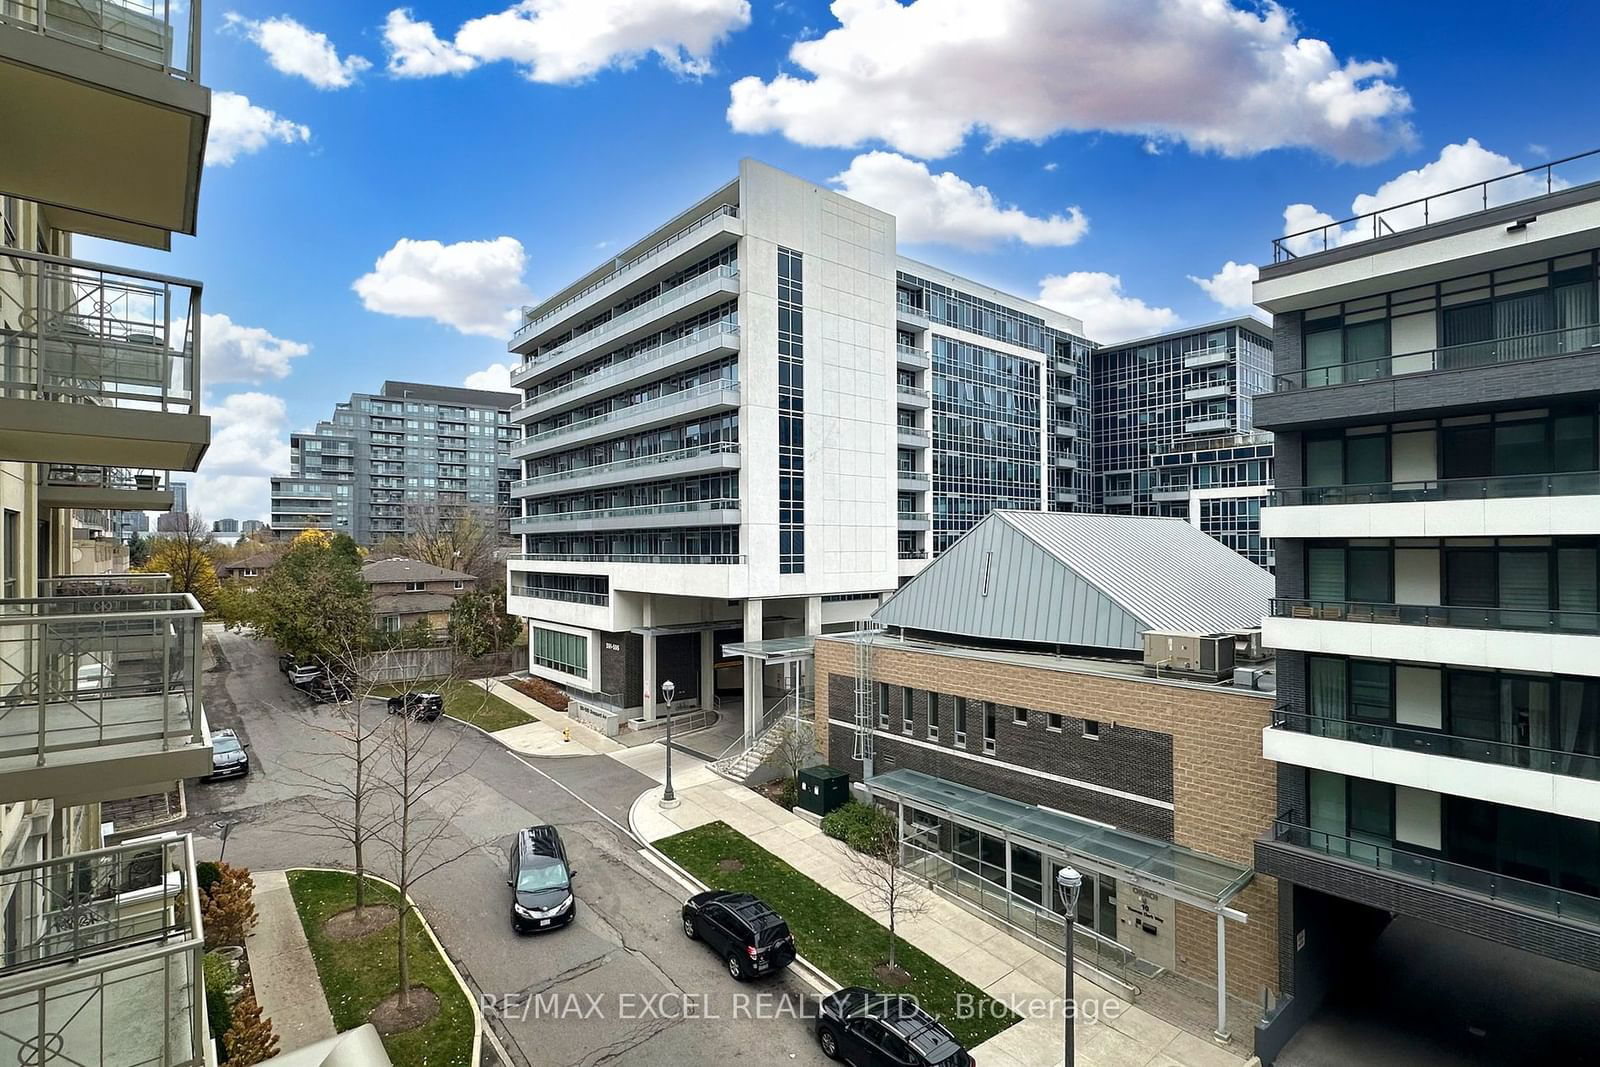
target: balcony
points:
(102, 697)
(1219, 391)
(909, 316)
(913, 553)
(1169, 493)
(913, 520)
(140, 583)
(1517, 639)
(1208, 424)
(700, 293)
(699, 459)
(1208, 357)
(1535, 505)
(102, 365)
(913, 481)
(1509, 910)
(702, 345)
(102, 968)
(910, 396)
(105, 117)
(912, 357)
(708, 559)
(1066, 496)
(912, 437)
(1065, 462)
(1064, 429)
(720, 512)
(724, 220)
(67, 485)
(705, 398)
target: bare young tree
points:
(879, 869)
(458, 537)
(796, 745)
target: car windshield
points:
(224, 744)
(545, 874)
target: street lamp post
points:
(669, 799)
(1069, 882)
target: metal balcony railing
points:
(1513, 349)
(101, 585)
(1548, 900)
(88, 333)
(1451, 203)
(1436, 743)
(79, 476)
(570, 596)
(711, 391)
(707, 337)
(913, 553)
(632, 463)
(713, 558)
(162, 34)
(85, 672)
(911, 391)
(103, 966)
(722, 211)
(1575, 483)
(1552, 620)
(912, 352)
(523, 523)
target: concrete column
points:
(708, 667)
(813, 616)
(754, 672)
(648, 617)
(1222, 978)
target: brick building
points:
(1007, 713)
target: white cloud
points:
(239, 128)
(231, 352)
(563, 41)
(1108, 313)
(496, 376)
(473, 286)
(296, 50)
(945, 209)
(249, 444)
(1051, 166)
(1231, 285)
(1458, 164)
(922, 76)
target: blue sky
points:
(1093, 154)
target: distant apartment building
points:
(388, 461)
(174, 517)
(225, 526)
(1174, 430)
(250, 526)
(1436, 520)
(755, 420)
(127, 523)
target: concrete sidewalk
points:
(1110, 1031)
(285, 976)
(547, 735)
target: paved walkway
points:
(551, 734)
(1110, 1031)
(285, 976)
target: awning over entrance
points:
(776, 650)
(1195, 878)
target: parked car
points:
(228, 756)
(94, 675)
(303, 675)
(423, 707)
(330, 690)
(751, 938)
(869, 1029)
(287, 663)
(540, 881)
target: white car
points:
(300, 677)
(94, 675)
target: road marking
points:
(565, 789)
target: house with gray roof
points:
(407, 591)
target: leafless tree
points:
(796, 744)
(458, 537)
(880, 870)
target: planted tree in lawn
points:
(313, 603)
(878, 866)
(796, 747)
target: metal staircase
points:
(745, 756)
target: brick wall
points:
(1198, 747)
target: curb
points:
(813, 974)
(427, 927)
(517, 751)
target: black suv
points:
(870, 1029)
(423, 707)
(540, 881)
(749, 936)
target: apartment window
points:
(883, 706)
(791, 414)
(1019, 716)
(1339, 352)
(905, 711)
(560, 651)
(961, 720)
(1091, 729)
(390, 624)
(988, 726)
(933, 716)
(1360, 575)
(1053, 722)
(1371, 810)
(11, 548)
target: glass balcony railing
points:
(1456, 877)
(722, 389)
(1513, 349)
(911, 352)
(722, 211)
(1436, 743)
(911, 516)
(1575, 483)
(106, 669)
(1551, 620)
(912, 391)
(570, 596)
(632, 463)
(163, 34)
(706, 337)
(87, 333)
(105, 971)
(100, 585)
(711, 558)
(699, 285)
(641, 511)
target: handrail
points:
(1516, 348)
(1440, 743)
(1565, 483)
(1555, 620)
(533, 324)
(596, 379)
(153, 48)
(633, 462)
(672, 508)
(652, 404)
(1281, 251)
(711, 558)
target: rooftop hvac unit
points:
(1247, 645)
(1201, 654)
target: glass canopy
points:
(1171, 870)
(775, 650)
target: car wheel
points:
(688, 929)
(829, 1042)
(735, 967)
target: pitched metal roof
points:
(1090, 581)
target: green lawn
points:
(834, 935)
(467, 702)
(356, 975)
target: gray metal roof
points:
(1091, 581)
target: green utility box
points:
(824, 788)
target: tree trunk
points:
(404, 969)
(361, 866)
(891, 930)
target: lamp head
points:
(667, 689)
(1069, 882)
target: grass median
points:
(358, 974)
(465, 701)
(833, 934)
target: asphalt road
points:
(621, 986)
